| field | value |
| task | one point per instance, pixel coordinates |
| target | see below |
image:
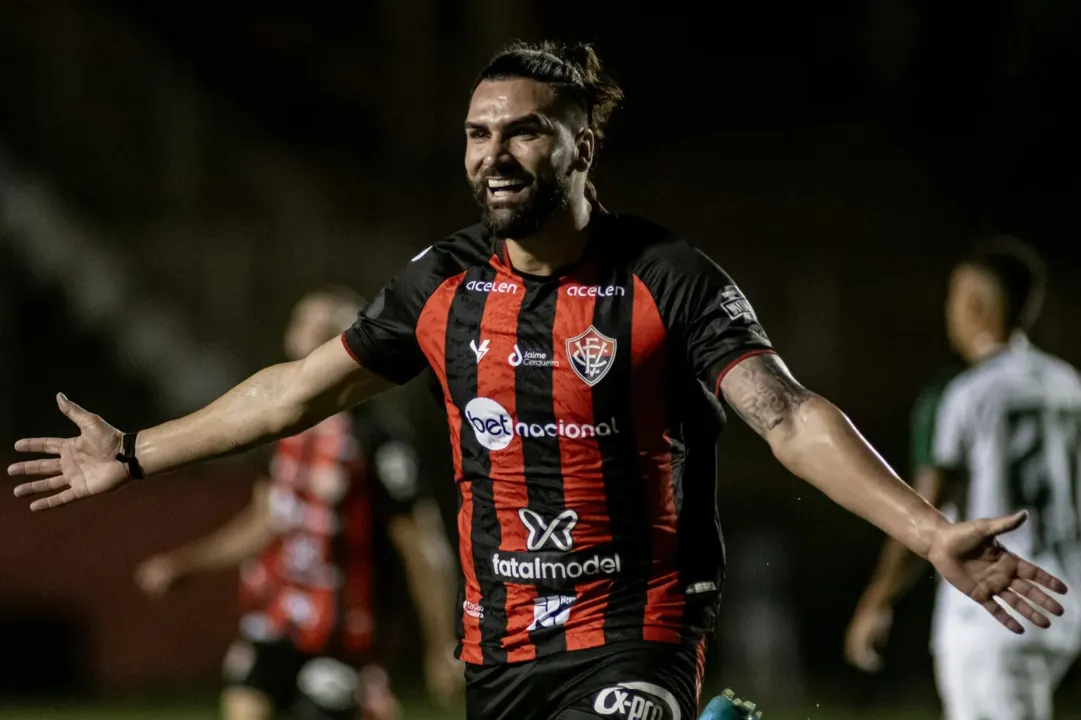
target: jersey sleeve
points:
(924, 414)
(924, 418)
(383, 339)
(708, 313)
(950, 437)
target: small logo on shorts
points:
(637, 701)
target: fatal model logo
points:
(548, 569)
(540, 533)
(591, 354)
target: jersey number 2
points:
(1043, 456)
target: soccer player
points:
(306, 546)
(1005, 436)
(583, 357)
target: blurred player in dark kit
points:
(305, 546)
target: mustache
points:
(517, 174)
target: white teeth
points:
(495, 183)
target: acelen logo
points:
(596, 291)
(491, 287)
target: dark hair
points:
(574, 70)
(1019, 272)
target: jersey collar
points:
(598, 220)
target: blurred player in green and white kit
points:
(1003, 435)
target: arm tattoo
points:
(763, 393)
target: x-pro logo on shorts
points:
(637, 701)
(558, 532)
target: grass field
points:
(207, 710)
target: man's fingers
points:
(1000, 614)
(35, 467)
(999, 526)
(866, 659)
(1035, 574)
(1036, 596)
(50, 446)
(1024, 609)
(54, 501)
(74, 412)
(40, 486)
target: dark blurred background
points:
(174, 177)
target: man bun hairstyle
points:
(1020, 273)
(574, 70)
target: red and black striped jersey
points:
(584, 413)
(330, 487)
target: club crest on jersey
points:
(591, 355)
(735, 305)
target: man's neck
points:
(560, 243)
(987, 344)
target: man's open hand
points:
(80, 467)
(969, 557)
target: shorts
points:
(300, 685)
(980, 681)
(631, 680)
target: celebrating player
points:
(1005, 436)
(306, 546)
(583, 357)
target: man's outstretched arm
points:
(811, 437)
(898, 569)
(815, 441)
(276, 402)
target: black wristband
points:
(127, 455)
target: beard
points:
(529, 210)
